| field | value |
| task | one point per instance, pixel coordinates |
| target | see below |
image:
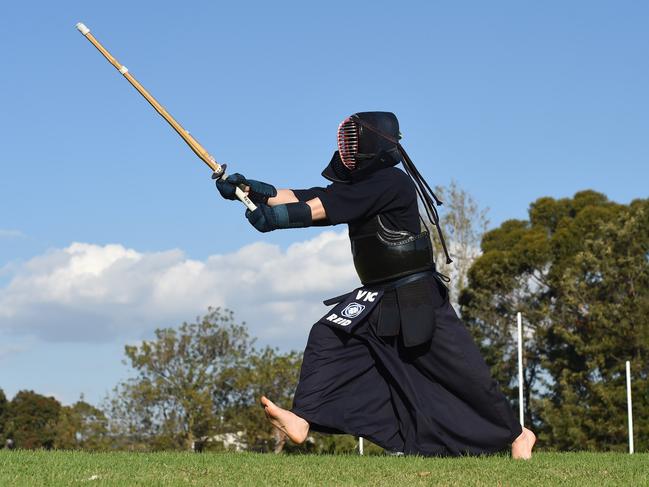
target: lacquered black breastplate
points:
(381, 254)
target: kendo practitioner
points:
(391, 361)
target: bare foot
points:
(295, 427)
(522, 446)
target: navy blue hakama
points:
(436, 398)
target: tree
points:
(601, 321)
(198, 383)
(81, 426)
(268, 373)
(578, 271)
(463, 223)
(184, 382)
(31, 420)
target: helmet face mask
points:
(348, 141)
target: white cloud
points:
(94, 293)
(6, 233)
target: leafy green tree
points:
(183, 384)
(578, 271)
(31, 420)
(270, 373)
(81, 426)
(133, 419)
(600, 321)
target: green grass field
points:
(71, 468)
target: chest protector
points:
(381, 254)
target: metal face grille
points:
(348, 142)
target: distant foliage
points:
(463, 223)
(198, 387)
(82, 426)
(578, 270)
(32, 421)
(268, 373)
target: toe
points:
(270, 405)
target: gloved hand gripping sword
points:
(219, 169)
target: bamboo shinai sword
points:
(199, 150)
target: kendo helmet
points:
(367, 142)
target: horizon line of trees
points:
(577, 268)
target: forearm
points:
(283, 196)
(318, 213)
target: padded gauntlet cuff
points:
(291, 215)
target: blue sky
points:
(514, 100)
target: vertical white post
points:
(520, 368)
(360, 445)
(629, 405)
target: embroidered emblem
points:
(352, 310)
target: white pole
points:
(360, 445)
(628, 405)
(520, 369)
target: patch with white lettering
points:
(353, 309)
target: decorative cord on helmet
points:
(427, 197)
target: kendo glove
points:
(259, 192)
(290, 215)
